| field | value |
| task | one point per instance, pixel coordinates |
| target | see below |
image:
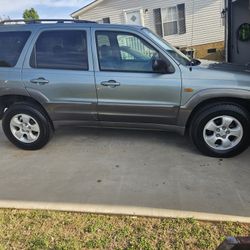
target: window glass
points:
(176, 54)
(103, 40)
(124, 52)
(64, 49)
(125, 55)
(170, 21)
(106, 20)
(11, 46)
(135, 46)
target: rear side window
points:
(11, 46)
(63, 49)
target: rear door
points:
(59, 69)
(128, 88)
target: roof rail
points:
(38, 21)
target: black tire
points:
(204, 115)
(40, 117)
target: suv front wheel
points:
(27, 126)
(221, 130)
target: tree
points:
(30, 14)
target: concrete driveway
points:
(124, 169)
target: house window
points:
(170, 21)
(104, 20)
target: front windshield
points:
(175, 53)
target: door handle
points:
(40, 81)
(110, 83)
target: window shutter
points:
(181, 18)
(106, 20)
(158, 22)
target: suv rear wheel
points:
(221, 130)
(27, 126)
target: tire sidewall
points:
(34, 113)
(198, 137)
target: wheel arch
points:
(244, 103)
(7, 100)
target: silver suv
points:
(71, 72)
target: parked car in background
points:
(73, 72)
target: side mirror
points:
(195, 62)
(161, 66)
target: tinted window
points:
(61, 50)
(11, 46)
(120, 51)
(175, 53)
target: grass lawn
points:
(61, 230)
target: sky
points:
(45, 8)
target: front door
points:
(127, 87)
(59, 69)
(134, 17)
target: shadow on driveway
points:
(125, 168)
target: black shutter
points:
(106, 20)
(182, 18)
(158, 22)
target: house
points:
(237, 13)
(195, 25)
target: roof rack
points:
(39, 21)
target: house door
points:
(134, 17)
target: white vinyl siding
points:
(205, 26)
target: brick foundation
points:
(210, 51)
